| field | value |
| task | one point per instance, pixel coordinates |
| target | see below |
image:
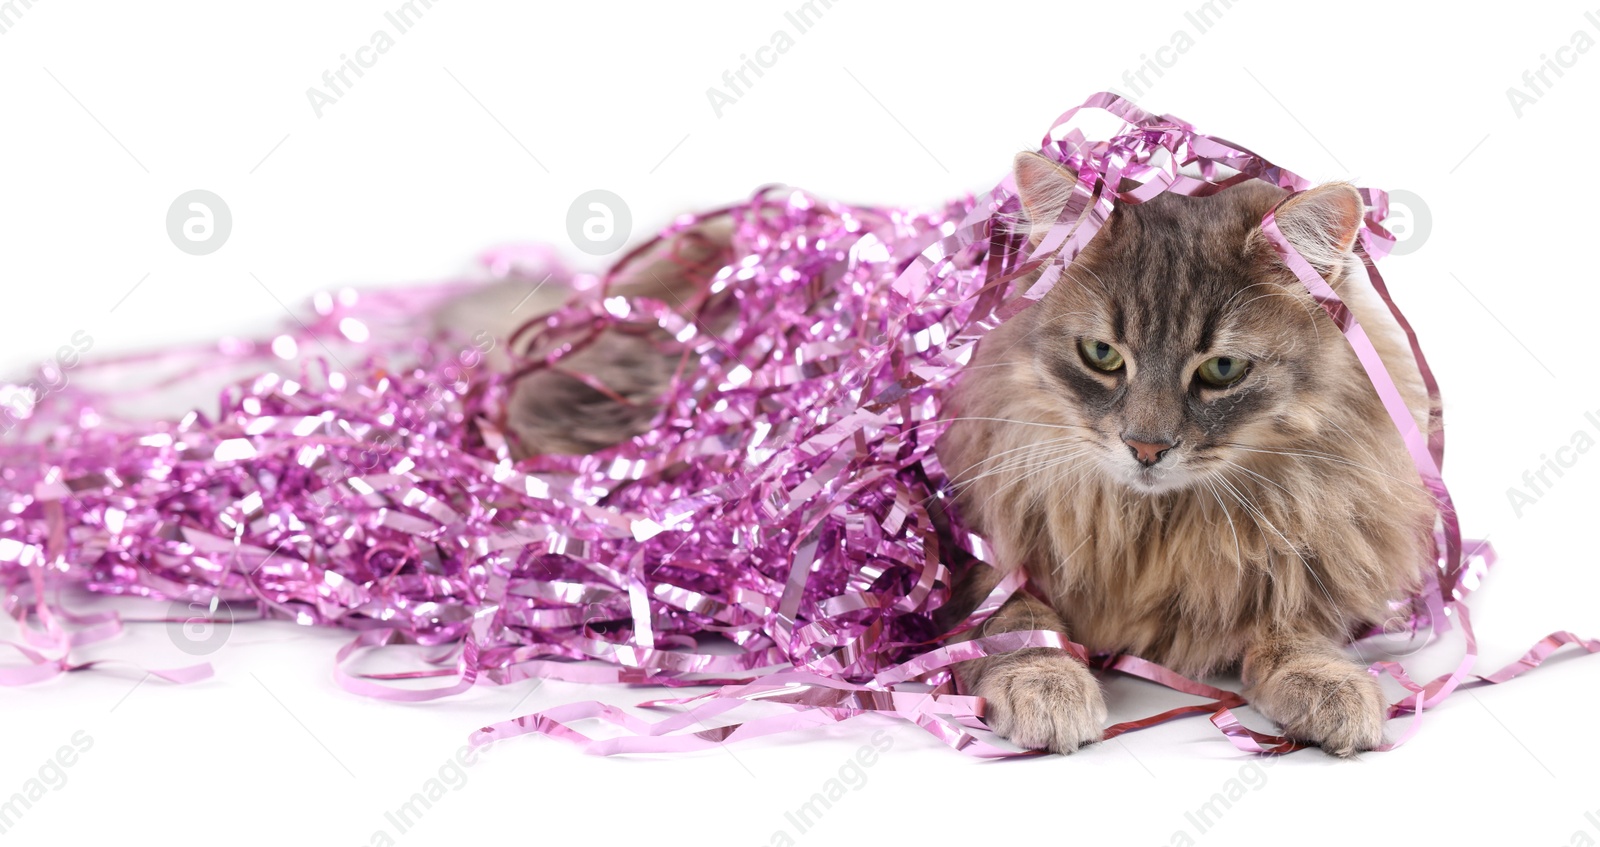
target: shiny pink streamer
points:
(780, 501)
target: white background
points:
(481, 125)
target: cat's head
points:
(1178, 339)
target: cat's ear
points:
(1323, 224)
(1044, 188)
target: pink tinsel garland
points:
(781, 501)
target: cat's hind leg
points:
(609, 391)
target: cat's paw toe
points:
(1043, 699)
(1341, 710)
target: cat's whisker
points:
(1238, 466)
(1333, 423)
(1047, 448)
(1276, 290)
(1014, 421)
(1012, 467)
(1309, 307)
(1013, 463)
(958, 485)
(954, 419)
(968, 369)
(1354, 440)
(1061, 566)
(1238, 552)
(1033, 446)
(1315, 455)
(1056, 460)
(1236, 295)
(1322, 586)
(1042, 325)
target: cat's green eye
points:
(1222, 371)
(1100, 354)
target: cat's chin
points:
(1154, 480)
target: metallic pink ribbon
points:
(780, 501)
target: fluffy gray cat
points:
(1182, 451)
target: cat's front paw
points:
(1336, 705)
(1043, 699)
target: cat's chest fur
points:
(1183, 578)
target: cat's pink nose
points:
(1147, 452)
